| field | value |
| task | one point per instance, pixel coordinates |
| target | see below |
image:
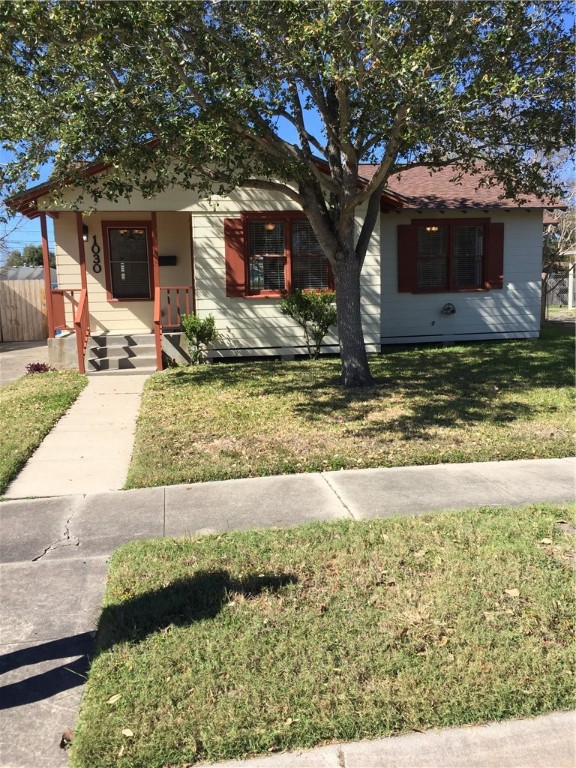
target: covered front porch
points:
(120, 276)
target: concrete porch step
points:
(121, 339)
(132, 351)
(121, 363)
(121, 353)
(144, 371)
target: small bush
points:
(314, 312)
(39, 368)
(200, 332)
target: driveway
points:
(15, 356)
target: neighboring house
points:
(27, 273)
(446, 263)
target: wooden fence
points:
(23, 315)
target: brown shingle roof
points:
(425, 188)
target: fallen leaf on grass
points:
(512, 592)
(545, 541)
(127, 732)
(67, 737)
(114, 699)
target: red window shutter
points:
(495, 257)
(234, 252)
(407, 252)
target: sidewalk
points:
(15, 356)
(89, 449)
(54, 559)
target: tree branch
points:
(369, 223)
(386, 163)
(298, 120)
(186, 81)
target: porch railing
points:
(170, 303)
(70, 313)
(82, 328)
(64, 307)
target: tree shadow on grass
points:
(444, 388)
(438, 387)
(180, 603)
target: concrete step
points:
(121, 353)
(98, 353)
(121, 363)
(109, 340)
(145, 371)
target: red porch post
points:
(81, 250)
(156, 290)
(47, 276)
(82, 317)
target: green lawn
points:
(29, 408)
(248, 643)
(477, 402)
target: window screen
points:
(467, 256)
(129, 267)
(309, 265)
(432, 260)
(266, 256)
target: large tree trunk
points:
(355, 370)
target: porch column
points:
(156, 290)
(47, 277)
(81, 250)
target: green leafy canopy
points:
(212, 83)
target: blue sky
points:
(26, 230)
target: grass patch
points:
(29, 408)
(554, 311)
(477, 402)
(247, 643)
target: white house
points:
(447, 262)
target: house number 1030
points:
(96, 266)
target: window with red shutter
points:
(450, 255)
(234, 253)
(270, 254)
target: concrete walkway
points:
(89, 449)
(54, 551)
(15, 356)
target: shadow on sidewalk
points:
(46, 684)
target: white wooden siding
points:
(255, 326)
(510, 312)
